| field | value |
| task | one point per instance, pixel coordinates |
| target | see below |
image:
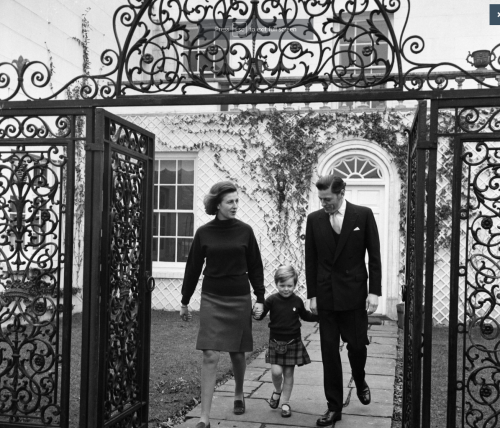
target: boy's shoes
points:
(364, 394)
(239, 407)
(273, 404)
(286, 411)
(329, 418)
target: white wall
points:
(30, 28)
(451, 28)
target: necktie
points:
(334, 220)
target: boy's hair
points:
(284, 273)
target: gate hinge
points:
(94, 148)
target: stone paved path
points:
(308, 400)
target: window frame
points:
(176, 269)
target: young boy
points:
(286, 349)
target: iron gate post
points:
(429, 264)
(415, 233)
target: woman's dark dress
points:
(232, 260)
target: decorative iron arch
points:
(236, 46)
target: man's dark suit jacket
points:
(336, 274)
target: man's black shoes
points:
(364, 394)
(329, 418)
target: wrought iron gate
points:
(37, 172)
(473, 379)
(474, 342)
(119, 305)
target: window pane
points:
(167, 250)
(363, 33)
(167, 172)
(167, 224)
(155, 202)
(155, 249)
(205, 62)
(185, 197)
(382, 26)
(183, 246)
(155, 224)
(167, 197)
(155, 174)
(186, 172)
(186, 221)
(342, 59)
(382, 51)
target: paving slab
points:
(307, 400)
(384, 340)
(309, 395)
(255, 373)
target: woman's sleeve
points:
(255, 268)
(194, 265)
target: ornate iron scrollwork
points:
(32, 213)
(122, 388)
(246, 46)
(481, 371)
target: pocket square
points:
(356, 229)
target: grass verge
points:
(174, 382)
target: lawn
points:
(175, 365)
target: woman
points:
(229, 250)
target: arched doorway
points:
(372, 181)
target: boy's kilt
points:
(296, 354)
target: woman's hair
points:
(216, 194)
(283, 273)
(332, 182)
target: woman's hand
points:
(258, 308)
(185, 313)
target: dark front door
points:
(118, 339)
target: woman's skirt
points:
(295, 355)
(225, 323)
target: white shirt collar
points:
(341, 210)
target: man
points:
(337, 239)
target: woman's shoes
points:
(202, 425)
(273, 404)
(286, 411)
(239, 407)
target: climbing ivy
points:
(297, 141)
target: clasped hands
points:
(186, 315)
(257, 310)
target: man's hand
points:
(258, 308)
(313, 306)
(371, 303)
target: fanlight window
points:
(356, 167)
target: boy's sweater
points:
(284, 314)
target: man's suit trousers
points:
(352, 327)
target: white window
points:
(173, 221)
